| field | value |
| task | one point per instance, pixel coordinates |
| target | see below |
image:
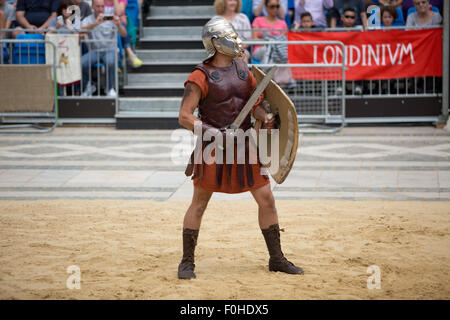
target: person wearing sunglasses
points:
(424, 17)
(338, 10)
(348, 18)
(260, 8)
(269, 25)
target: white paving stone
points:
(417, 179)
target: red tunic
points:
(229, 184)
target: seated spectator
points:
(103, 48)
(306, 21)
(358, 7)
(315, 8)
(85, 8)
(117, 7)
(407, 4)
(388, 16)
(2, 20)
(31, 14)
(9, 13)
(62, 22)
(230, 10)
(424, 17)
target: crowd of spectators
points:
(253, 19)
(331, 13)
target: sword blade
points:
(253, 98)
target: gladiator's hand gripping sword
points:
(253, 98)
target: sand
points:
(131, 250)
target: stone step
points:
(157, 3)
(142, 105)
(157, 79)
(174, 43)
(169, 66)
(165, 21)
(172, 55)
(181, 11)
(173, 33)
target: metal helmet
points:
(219, 35)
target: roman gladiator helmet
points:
(219, 35)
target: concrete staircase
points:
(170, 47)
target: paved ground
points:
(389, 163)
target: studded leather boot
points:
(187, 266)
(277, 261)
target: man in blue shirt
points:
(36, 14)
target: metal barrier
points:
(19, 116)
(315, 89)
(99, 74)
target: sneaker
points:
(89, 91)
(135, 61)
(358, 91)
(112, 93)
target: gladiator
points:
(220, 87)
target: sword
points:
(253, 98)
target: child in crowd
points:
(306, 21)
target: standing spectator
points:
(231, 11)
(259, 8)
(273, 28)
(103, 48)
(118, 7)
(407, 4)
(348, 19)
(315, 8)
(306, 21)
(388, 16)
(31, 14)
(7, 15)
(338, 9)
(267, 23)
(85, 8)
(424, 17)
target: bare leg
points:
(194, 214)
(267, 213)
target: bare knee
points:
(267, 203)
(199, 206)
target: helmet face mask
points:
(220, 36)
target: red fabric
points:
(208, 181)
(380, 54)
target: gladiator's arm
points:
(191, 98)
(260, 114)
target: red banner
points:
(378, 54)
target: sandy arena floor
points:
(131, 250)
